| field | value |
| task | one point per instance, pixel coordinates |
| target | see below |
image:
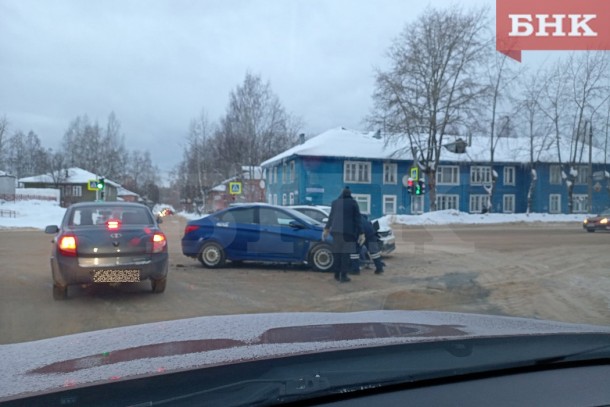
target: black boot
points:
(378, 266)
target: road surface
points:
(548, 271)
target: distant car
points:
(599, 222)
(107, 242)
(257, 232)
(321, 212)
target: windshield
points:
(154, 157)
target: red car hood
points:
(157, 348)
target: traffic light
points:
(421, 187)
(100, 184)
(410, 185)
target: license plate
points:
(116, 276)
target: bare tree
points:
(3, 132)
(576, 89)
(25, 155)
(254, 128)
(537, 128)
(501, 75)
(432, 86)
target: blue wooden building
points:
(315, 171)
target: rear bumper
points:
(69, 271)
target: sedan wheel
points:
(212, 255)
(321, 258)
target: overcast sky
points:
(157, 64)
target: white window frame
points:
(447, 201)
(454, 175)
(477, 202)
(580, 203)
(77, 190)
(508, 203)
(509, 176)
(284, 199)
(390, 173)
(480, 175)
(555, 203)
(555, 175)
(284, 173)
(389, 200)
(275, 199)
(582, 178)
(417, 204)
(357, 172)
(291, 198)
(363, 199)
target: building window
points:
(480, 175)
(284, 173)
(357, 172)
(292, 167)
(77, 190)
(284, 199)
(390, 173)
(448, 175)
(389, 204)
(364, 202)
(582, 177)
(509, 175)
(580, 203)
(417, 204)
(444, 202)
(508, 204)
(555, 203)
(478, 203)
(291, 199)
(555, 174)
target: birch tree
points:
(432, 85)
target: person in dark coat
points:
(345, 226)
(373, 246)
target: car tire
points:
(212, 255)
(60, 292)
(158, 286)
(321, 257)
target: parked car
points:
(257, 232)
(107, 242)
(599, 222)
(321, 212)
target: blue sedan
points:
(257, 232)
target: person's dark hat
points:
(346, 192)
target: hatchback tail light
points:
(159, 243)
(67, 245)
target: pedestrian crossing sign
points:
(235, 188)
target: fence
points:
(7, 213)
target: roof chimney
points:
(301, 138)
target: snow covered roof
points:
(341, 142)
(125, 192)
(517, 150)
(75, 176)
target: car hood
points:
(156, 348)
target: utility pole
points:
(590, 191)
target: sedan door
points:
(282, 236)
